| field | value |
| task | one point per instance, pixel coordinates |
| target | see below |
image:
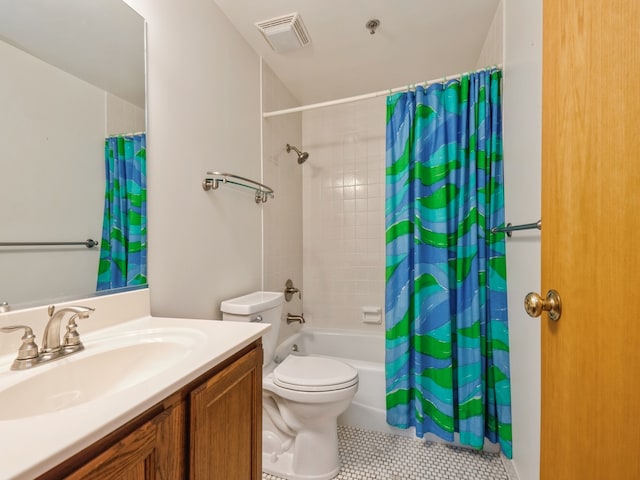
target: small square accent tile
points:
(367, 455)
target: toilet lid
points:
(314, 374)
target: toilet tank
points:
(265, 307)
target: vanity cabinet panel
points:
(226, 423)
(210, 428)
(153, 451)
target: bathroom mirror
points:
(73, 72)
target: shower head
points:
(302, 156)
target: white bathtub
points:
(365, 352)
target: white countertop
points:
(33, 444)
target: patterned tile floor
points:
(379, 456)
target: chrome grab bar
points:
(89, 243)
(512, 228)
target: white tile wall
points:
(343, 189)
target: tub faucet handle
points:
(289, 290)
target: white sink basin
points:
(62, 407)
(106, 366)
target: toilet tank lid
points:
(252, 303)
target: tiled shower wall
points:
(343, 215)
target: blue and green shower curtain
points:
(447, 343)
(123, 249)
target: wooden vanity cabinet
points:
(211, 428)
(152, 451)
(226, 423)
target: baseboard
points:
(509, 468)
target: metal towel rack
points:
(213, 180)
(89, 243)
(512, 228)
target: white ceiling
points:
(417, 40)
(99, 41)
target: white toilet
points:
(301, 398)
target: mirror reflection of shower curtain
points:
(123, 249)
(447, 355)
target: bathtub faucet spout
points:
(295, 318)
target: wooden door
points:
(226, 423)
(591, 239)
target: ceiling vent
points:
(285, 33)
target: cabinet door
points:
(226, 423)
(153, 451)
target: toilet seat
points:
(314, 374)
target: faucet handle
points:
(289, 290)
(71, 340)
(29, 349)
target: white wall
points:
(52, 182)
(344, 235)
(123, 117)
(516, 34)
(204, 114)
(492, 50)
(522, 88)
(282, 215)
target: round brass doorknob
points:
(534, 305)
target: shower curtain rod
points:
(125, 134)
(367, 96)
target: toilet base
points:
(282, 466)
(299, 428)
(295, 453)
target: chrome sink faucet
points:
(52, 347)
